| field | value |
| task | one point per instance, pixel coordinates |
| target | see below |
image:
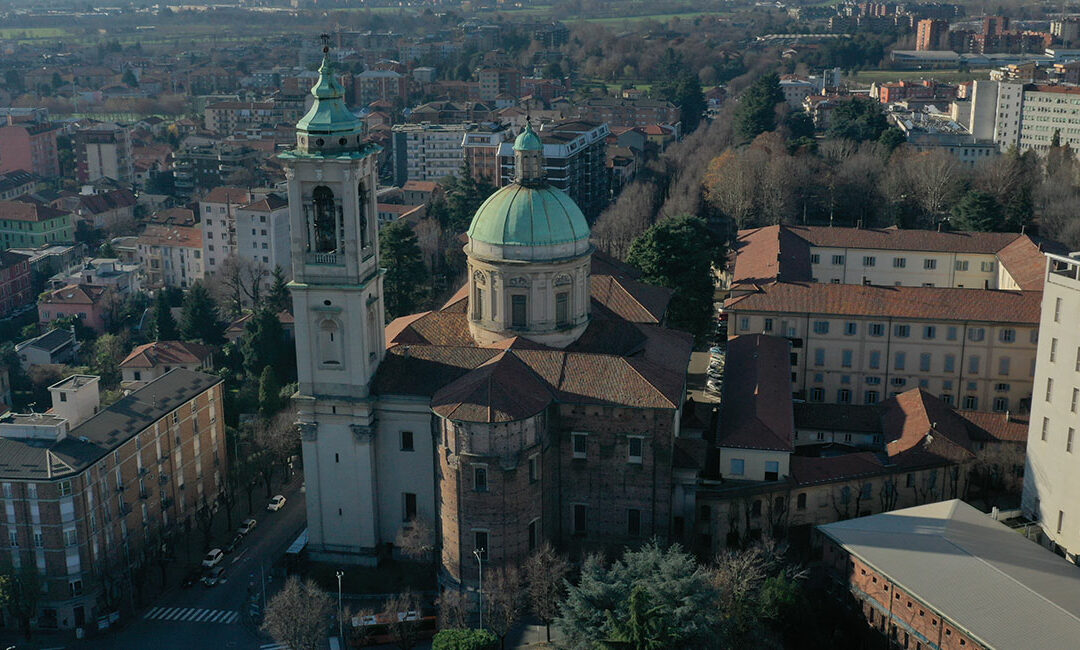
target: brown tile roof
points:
(173, 217)
(770, 253)
(617, 287)
(268, 203)
(502, 389)
(924, 303)
(838, 417)
(916, 419)
(28, 211)
(1025, 262)
(806, 470)
(162, 235)
(223, 194)
(757, 408)
(420, 186)
(151, 355)
(984, 426)
(106, 201)
(907, 240)
(75, 294)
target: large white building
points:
(1052, 479)
(217, 215)
(428, 152)
(262, 233)
(1026, 115)
(171, 256)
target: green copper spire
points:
(528, 140)
(329, 126)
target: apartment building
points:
(1027, 115)
(627, 112)
(89, 303)
(428, 152)
(872, 313)
(15, 291)
(206, 166)
(104, 151)
(217, 212)
(14, 184)
(575, 160)
(262, 233)
(25, 224)
(387, 85)
(29, 146)
(171, 256)
(226, 118)
(1051, 481)
(91, 492)
(481, 150)
(496, 82)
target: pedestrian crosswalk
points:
(192, 615)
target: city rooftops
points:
(29, 211)
(1001, 589)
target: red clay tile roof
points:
(1025, 262)
(838, 417)
(28, 211)
(420, 186)
(806, 470)
(996, 427)
(757, 407)
(908, 240)
(502, 389)
(106, 201)
(616, 286)
(928, 303)
(75, 294)
(174, 217)
(916, 419)
(268, 203)
(162, 235)
(158, 353)
(235, 195)
(770, 253)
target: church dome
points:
(528, 140)
(529, 217)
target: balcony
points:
(324, 259)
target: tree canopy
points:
(165, 328)
(679, 253)
(199, 317)
(756, 112)
(858, 119)
(262, 344)
(405, 283)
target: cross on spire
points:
(325, 38)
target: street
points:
(217, 617)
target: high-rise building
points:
(931, 34)
(217, 212)
(262, 233)
(1051, 479)
(104, 151)
(29, 146)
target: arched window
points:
(330, 343)
(324, 221)
(362, 208)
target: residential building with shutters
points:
(90, 493)
(104, 151)
(25, 224)
(262, 233)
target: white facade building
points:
(1051, 478)
(217, 214)
(262, 233)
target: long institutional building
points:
(1025, 115)
(1052, 479)
(872, 313)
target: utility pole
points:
(479, 553)
(341, 633)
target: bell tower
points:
(338, 307)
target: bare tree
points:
(357, 636)
(504, 602)
(239, 282)
(299, 615)
(204, 517)
(545, 573)
(840, 499)
(416, 539)
(926, 488)
(888, 493)
(453, 610)
(403, 613)
(276, 439)
(936, 179)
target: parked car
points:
(213, 576)
(193, 575)
(213, 558)
(246, 526)
(232, 545)
(717, 351)
(276, 503)
(714, 386)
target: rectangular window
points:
(1077, 368)
(875, 359)
(929, 332)
(408, 500)
(480, 543)
(871, 397)
(815, 258)
(407, 441)
(1053, 350)
(1061, 521)
(1049, 389)
(929, 264)
(819, 356)
(1007, 335)
(633, 522)
(635, 450)
(987, 267)
(71, 538)
(976, 334)
(1057, 310)
(851, 329)
(877, 329)
(562, 309)
(581, 445)
(817, 394)
(899, 262)
(1075, 399)
(838, 260)
(1003, 366)
(772, 470)
(924, 362)
(800, 501)
(738, 466)
(1001, 404)
(950, 363)
(533, 534)
(1069, 440)
(901, 331)
(480, 479)
(843, 396)
(518, 311)
(821, 327)
(868, 260)
(899, 360)
(973, 364)
(744, 323)
(961, 265)
(971, 402)
(768, 325)
(65, 488)
(534, 468)
(580, 522)
(1045, 429)
(845, 358)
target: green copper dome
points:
(517, 215)
(528, 140)
(329, 114)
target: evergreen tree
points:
(799, 125)
(891, 138)
(199, 318)
(978, 210)
(683, 88)
(164, 324)
(464, 194)
(859, 120)
(269, 392)
(679, 253)
(405, 283)
(756, 112)
(278, 298)
(129, 79)
(263, 342)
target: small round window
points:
(342, 141)
(319, 142)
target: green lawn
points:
(29, 33)
(867, 77)
(690, 15)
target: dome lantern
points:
(529, 162)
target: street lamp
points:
(479, 553)
(340, 625)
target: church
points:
(541, 403)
